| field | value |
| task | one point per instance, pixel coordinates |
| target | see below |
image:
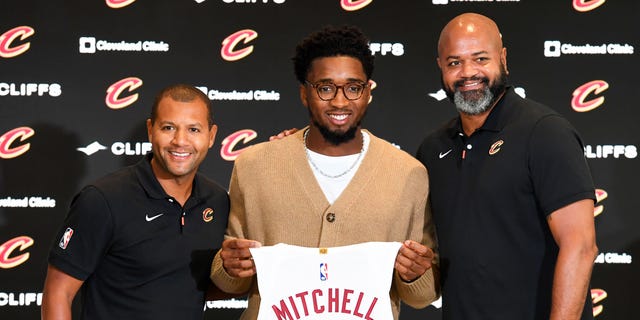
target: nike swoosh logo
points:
(153, 218)
(442, 155)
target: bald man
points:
(511, 193)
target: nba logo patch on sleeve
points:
(66, 237)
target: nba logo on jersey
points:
(323, 272)
(66, 237)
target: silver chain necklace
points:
(304, 141)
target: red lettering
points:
(229, 52)
(353, 5)
(295, 309)
(113, 99)
(229, 143)
(370, 311)
(283, 312)
(316, 308)
(302, 296)
(579, 103)
(356, 311)
(587, 5)
(334, 300)
(346, 300)
(6, 249)
(22, 133)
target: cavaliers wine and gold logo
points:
(587, 5)
(580, 101)
(353, 5)
(228, 151)
(597, 295)
(600, 195)
(117, 4)
(8, 258)
(8, 46)
(116, 99)
(495, 148)
(230, 44)
(207, 215)
(7, 151)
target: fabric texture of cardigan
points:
(275, 198)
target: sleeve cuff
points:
(418, 293)
(226, 282)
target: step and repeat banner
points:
(77, 80)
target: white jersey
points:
(349, 282)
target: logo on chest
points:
(495, 147)
(207, 215)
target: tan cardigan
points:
(276, 198)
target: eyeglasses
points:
(328, 90)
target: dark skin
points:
(470, 46)
(181, 137)
(414, 258)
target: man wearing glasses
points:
(331, 183)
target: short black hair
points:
(331, 42)
(183, 93)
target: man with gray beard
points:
(511, 193)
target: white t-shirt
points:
(333, 187)
(349, 282)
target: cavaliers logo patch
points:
(207, 215)
(495, 147)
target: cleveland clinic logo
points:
(92, 45)
(555, 48)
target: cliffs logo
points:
(7, 139)
(117, 4)
(229, 143)
(354, 5)
(587, 5)
(10, 260)
(229, 50)
(115, 98)
(580, 101)
(7, 39)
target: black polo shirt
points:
(129, 245)
(490, 194)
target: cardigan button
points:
(331, 217)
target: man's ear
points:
(303, 95)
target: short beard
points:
(475, 102)
(337, 138)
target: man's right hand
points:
(236, 257)
(283, 134)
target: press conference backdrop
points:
(77, 79)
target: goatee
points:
(474, 102)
